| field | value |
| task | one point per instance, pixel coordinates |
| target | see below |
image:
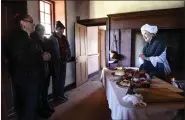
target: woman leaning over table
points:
(153, 56)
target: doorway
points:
(90, 44)
(96, 49)
(90, 51)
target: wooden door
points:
(102, 45)
(81, 54)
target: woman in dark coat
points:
(153, 57)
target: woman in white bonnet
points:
(153, 57)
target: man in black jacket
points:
(25, 59)
(45, 108)
(63, 54)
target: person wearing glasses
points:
(25, 58)
(153, 57)
(45, 109)
(63, 54)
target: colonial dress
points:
(155, 63)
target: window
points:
(46, 16)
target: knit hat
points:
(59, 24)
(149, 28)
(39, 27)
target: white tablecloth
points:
(126, 111)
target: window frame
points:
(52, 5)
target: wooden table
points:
(126, 111)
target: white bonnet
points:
(149, 28)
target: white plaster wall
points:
(33, 10)
(100, 9)
(71, 19)
(92, 48)
(93, 64)
(138, 48)
(82, 9)
(60, 12)
(92, 40)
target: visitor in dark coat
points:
(25, 58)
(45, 109)
(63, 54)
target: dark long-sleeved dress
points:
(153, 49)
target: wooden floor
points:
(87, 102)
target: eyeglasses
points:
(30, 21)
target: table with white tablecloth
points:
(126, 111)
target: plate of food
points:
(138, 79)
(123, 83)
(135, 75)
(141, 84)
(141, 76)
(119, 71)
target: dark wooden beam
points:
(133, 15)
(107, 42)
(164, 19)
(93, 22)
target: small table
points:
(126, 111)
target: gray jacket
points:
(55, 39)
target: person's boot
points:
(44, 114)
(62, 99)
(49, 108)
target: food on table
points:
(125, 83)
(135, 75)
(133, 78)
(120, 71)
(142, 104)
(141, 84)
(126, 77)
(140, 79)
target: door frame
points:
(95, 22)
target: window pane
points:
(47, 8)
(42, 24)
(48, 28)
(41, 6)
(47, 36)
(47, 19)
(42, 17)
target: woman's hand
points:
(46, 56)
(142, 56)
